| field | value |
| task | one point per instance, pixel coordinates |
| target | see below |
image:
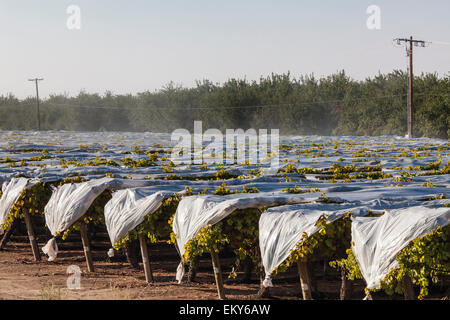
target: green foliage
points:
(298, 190)
(157, 225)
(446, 168)
(330, 242)
(425, 260)
(223, 190)
(350, 264)
(239, 231)
(32, 200)
(36, 198)
(347, 172)
(94, 215)
(330, 105)
(207, 239)
(130, 163)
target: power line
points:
(52, 104)
(439, 42)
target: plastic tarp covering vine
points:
(282, 228)
(11, 192)
(71, 201)
(127, 209)
(195, 212)
(377, 240)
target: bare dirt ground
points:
(23, 278)
(114, 279)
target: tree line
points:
(333, 105)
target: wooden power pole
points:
(411, 42)
(410, 100)
(37, 101)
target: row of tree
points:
(333, 105)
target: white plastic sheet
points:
(281, 228)
(127, 209)
(51, 249)
(377, 240)
(10, 194)
(70, 202)
(195, 212)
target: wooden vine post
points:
(346, 285)
(264, 292)
(131, 251)
(192, 272)
(31, 235)
(145, 258)
(8, 234)
(408, 289)
(218, 274)
(86, 247)
(304, 280)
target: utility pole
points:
(409, 51)
(37, 101)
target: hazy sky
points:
(136, 45)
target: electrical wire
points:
(44, 104)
